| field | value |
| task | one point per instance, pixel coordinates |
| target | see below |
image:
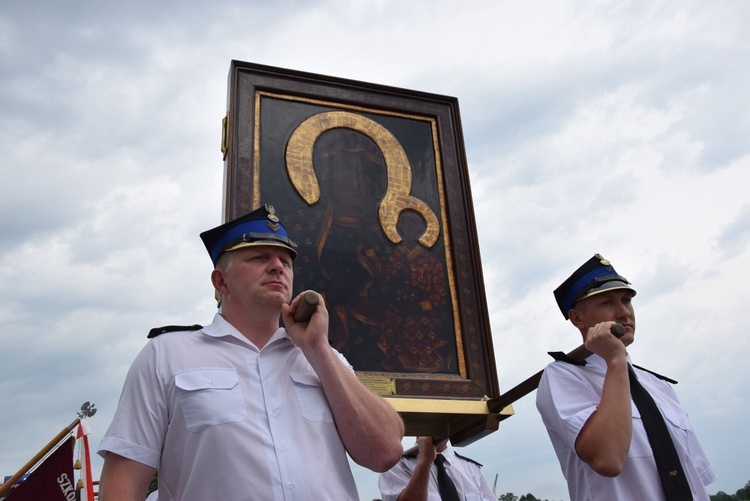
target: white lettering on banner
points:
(66, 486)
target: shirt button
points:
(282, 448)
(272, 413)
(265, 381)
(208, 380)
(290, 484)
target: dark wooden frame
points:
(255, 172)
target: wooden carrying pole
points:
(39, 455)
(306, 306)
(522, 389)
(532, 383)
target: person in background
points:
(243, 408)
(435, 474)
(619, 431)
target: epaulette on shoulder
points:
(559, 356)
(467, 459)
(156, 331)
(663, 378)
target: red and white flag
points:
(82, 434)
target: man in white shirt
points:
(419, 478)
(243, 408)
(601, 436)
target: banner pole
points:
(55, 441)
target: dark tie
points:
(668, 464)
(446, 486)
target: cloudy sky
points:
(612, 127)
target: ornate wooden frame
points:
(372, 183)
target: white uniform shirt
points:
(568, 394)
(221, 419)
(470, 482)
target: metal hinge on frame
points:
(225, 136)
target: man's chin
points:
(278, 289)
(275, 298)
(281, 297)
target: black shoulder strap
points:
(663, 378)
(467, 459)
(562, 357)
(156, 331)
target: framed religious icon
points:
(372, 183)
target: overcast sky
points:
(614, 127)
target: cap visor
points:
(607, 286)
(263, 243)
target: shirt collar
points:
(598, 362)
(220, 327)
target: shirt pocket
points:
(312, 399)
(209, 397)
(675, 421)
(678, 423)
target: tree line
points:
(742, 494)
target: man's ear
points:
(217, 279)
(576, 318)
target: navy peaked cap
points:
(259, 227)
(592, 277)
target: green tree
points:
(154, 482)
(741, 495)
(721, 496)
(508, 496)
(529, 497)
(744, 493)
